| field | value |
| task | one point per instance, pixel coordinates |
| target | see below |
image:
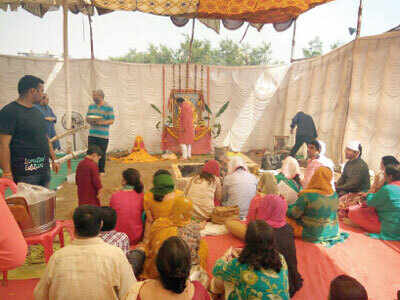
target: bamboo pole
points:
(66, 68)
(245, 32)
(67, 133)
(360, 9)
(91, 38)
(191, 43)
(293, 41)
(73, 154)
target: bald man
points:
(100, 128)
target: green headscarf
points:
(162, 184)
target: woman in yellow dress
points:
(159, 200)
(178, 223)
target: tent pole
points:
(360, 9)
(191, 44)
(66, 67)
(245, 32)
(91, 37)
(293, 41)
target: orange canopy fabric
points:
(255, 11)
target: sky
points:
(117, 32)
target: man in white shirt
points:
(88, 268)
(239, 187)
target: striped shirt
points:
(115, 238)
(107, 113)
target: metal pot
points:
(40, 204)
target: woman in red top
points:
(129, 206)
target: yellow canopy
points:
(252, 11)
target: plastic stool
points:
(46, 239)
(68, 225)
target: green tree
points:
(336, 44)
(202, 52)
(314, 48)
(228, 52)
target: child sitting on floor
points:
(108, 234)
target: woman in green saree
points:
(314, 215)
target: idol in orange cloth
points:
(186, 128)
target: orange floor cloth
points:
(375, 263)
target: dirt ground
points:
(67, 198)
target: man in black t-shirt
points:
(25, 150)
(305, 133)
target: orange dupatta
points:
(320, 183)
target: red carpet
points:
(375, 263)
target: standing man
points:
(186, 128)
(305, 133)
(100, 129)
(25, 149)
(50, 118)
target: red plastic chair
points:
(7, 183)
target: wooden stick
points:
(208, 93)
(245, 32)
(293, 41)
(74, 154)
(68, 132)
(191, 43)
(187, 75)
(66, 63)
(163, 95)
(180, 79)
(360, 9)
(91, 37)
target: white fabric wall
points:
(352, 93)
(375, 97)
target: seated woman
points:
(159, 200)
(314, 215)
(288, 179)
(203, 189)
(178, 223)
(266, 186)
(173, 264)
(316, 150)
(379, 180)
(128, 204)
(380, 215)
(259, 272)
(272, 209)
(239, 187)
